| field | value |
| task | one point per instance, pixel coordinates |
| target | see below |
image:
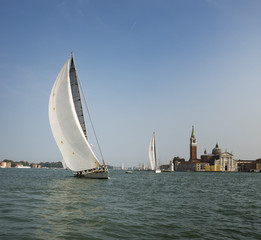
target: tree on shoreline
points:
(178, 159)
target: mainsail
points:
(77, 96)
(152, 153)
(67, 121)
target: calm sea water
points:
(52, 204)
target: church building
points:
(217, 161)
(220, 161)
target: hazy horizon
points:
(144, 65)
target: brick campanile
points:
(193, 146)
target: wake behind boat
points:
(67, 122)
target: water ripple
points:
(51, 204)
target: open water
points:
(52, 204)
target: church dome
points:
(216, 150)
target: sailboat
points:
(68, 126)
(152, 155)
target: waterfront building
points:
(191, 166)
(171, 165)
(249, 165)
(219, 161)
(167, 167)
(2, 164)
(216, 161)
(5, 164)
(8, 164)
(35, 165)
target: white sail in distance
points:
(67, 125)
(152, 153)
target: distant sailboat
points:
(64, 165)
(68, 125)
(152, 155)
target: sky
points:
(144, 65)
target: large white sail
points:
(152, 153)
(77, 96)
(66, 127)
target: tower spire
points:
(193, 145)
(193, 132)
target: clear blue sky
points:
(145, 65)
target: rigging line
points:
(91, 122)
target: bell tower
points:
(193, 146)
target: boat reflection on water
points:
(72, 206)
